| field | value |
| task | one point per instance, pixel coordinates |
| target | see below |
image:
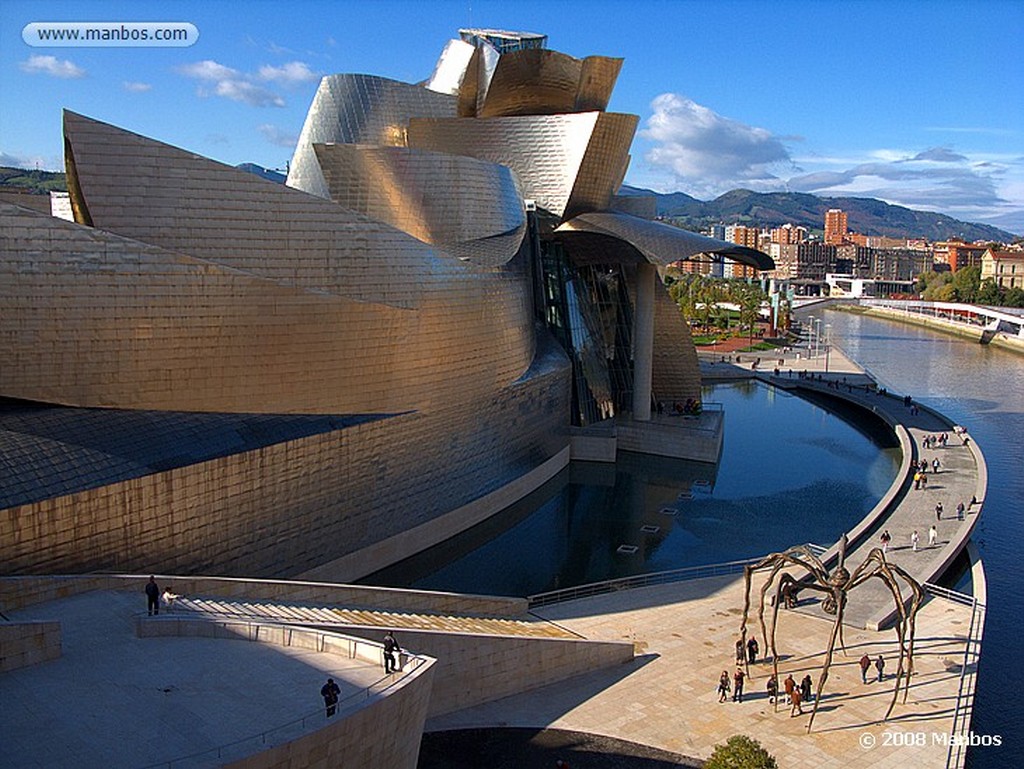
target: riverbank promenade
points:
(684, 633)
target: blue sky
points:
(916, 102)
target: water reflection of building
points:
(211, 371)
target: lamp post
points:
(817, 337)
(828, 343)
(810, 337)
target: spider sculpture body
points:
(835, 587)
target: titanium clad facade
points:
(360, 109)
(551, 154)
(210, 372)
(457, 203)
(541, 82)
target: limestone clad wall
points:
(28, 643)
(286, 508)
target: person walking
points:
(933, 534)
(152, 596)
(741, 655)
(790, 686)
(737, 685)
(865, 665)
(752, 650)
(938, 511)
(805, 688)
(796, 710)
(959, 511)
(935, 466)
(924, 480)
(886, 538)
(880, 667)
(723, 686)
(330, 692)
(914, 538)
(773, 688)
(390, 647)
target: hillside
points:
(39, 182)
(771, 209)
(764, 209)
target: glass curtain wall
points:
(588, 308)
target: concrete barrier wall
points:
(383, 730)
(473, 669)
(18, 592)
(28, 643)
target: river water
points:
(785, 461)
(981, 388)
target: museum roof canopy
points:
(589, 237)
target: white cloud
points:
(230, 84)
(278, 136)
(208, 70)
(136, 87)
(292, 73)
(249, 93)
(709, 154)
(51, 65)
(31, 162)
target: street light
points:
(810, 339)
(817, 336)
(828, 343)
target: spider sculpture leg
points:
(840, 600)
(876, 566)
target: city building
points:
(1006, 268)
(788, 234)
(958, 254)
(836, 226)
(210, 372)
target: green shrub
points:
(740, 752)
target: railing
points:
(964, 708)
(646, 580)
(279, 735)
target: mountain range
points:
(867, 216)
(762, 209)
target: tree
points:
(740, 752)
(989, 292)
(749, 300)
(966, 282)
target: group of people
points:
(154, 597)
(747, 653)
(865, 666)
(933, 441)
(330, 691)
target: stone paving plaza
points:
(684, 635)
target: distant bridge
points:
(987, 322)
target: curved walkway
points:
(961, 477)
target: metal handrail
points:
(651, 578)
(297, 726)
(964, 708)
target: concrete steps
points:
(326, 615)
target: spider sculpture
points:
(835, 586)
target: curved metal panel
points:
(451, 67)
(446, 200)
(563, 161)
(543, 82)
(675, 370)
(659, 243)
(597, 81)
(360, 109)
(472, 323)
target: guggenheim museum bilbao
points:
(211, 372)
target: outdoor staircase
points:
(288, 613)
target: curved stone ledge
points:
(380, 726)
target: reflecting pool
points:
(791, 471)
